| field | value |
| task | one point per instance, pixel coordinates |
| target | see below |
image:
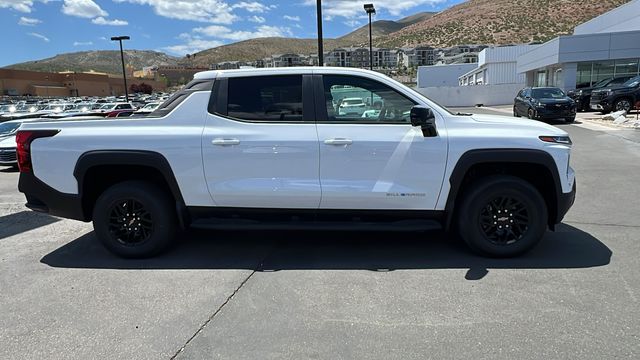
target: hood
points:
(8, 142)
(615, 88)
(509, 121)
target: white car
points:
(148, 108)
(352, 106)
(262, 148)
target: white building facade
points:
(497, 65)
(605, 47)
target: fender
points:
(144, 158)
(520, 156)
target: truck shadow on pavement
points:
(267, 251)
(23, 221)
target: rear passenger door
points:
(260, 144)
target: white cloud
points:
(39, 36)
(25, 21)
(352, 23)
(350, 8)
(254, 6)
(292, 18)
(222, 32)
(193, 44)
(83, 43)
(24, 6)
(115, 22)
(257, 19)
(83, 8)
(211, 11)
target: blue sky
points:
(37, 29)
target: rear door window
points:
(265, 98)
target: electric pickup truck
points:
(270, 148)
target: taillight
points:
(24, 138)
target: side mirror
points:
(423, 117)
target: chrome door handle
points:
(224, 142)
(338, 141)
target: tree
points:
(141, 88)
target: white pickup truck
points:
(267, 148)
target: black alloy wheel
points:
(531, 114)
(623, 104)
(135, 219)
(501, 216)
(130, 223)
(504, 220)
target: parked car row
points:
(75, 107)
(546, 103)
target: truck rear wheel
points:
(502, 216)
(135, 219)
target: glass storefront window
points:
(583, 78)
(626, 67)
(602, 70)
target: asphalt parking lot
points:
(335, 295)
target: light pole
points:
(124, 73)
(47, 85)
(370, 11)
(320, 49)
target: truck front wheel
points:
(135, 219)
(502, 216)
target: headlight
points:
(579, 93)
(564, 140)
(539, 104)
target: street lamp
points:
(124, 73)
(370, 11)
(320, 49)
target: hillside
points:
(381, 28)
(499, 22)
(250, 50)
(101, 61)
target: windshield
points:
(632, 82)
(151, 106)
(549, 93)
(352, 102)
(8, 128)
(107, 106)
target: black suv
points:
(582, 96)
(544, 103)
(624, 97)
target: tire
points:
(515, 112)
(478, 211)
(531, 114)
(147, 235)
(623, 104)
(570, 119)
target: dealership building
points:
(63, 84)
(607, 46)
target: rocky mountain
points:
(107, 61)
(499, 22)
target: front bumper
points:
(542, 113)
(43, 198)
(565, 202)
(600, 105)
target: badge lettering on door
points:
(406, 194)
